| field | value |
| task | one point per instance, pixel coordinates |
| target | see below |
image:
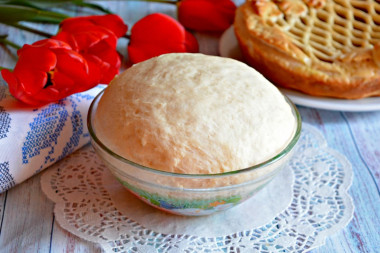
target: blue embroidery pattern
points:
(45, 130)
(6, 179)
(5, 123)
(81, 96)
(88, 97)
(47, 127)
(77, 128)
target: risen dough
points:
(194, 114)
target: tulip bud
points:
(158, 34)
(95, 37)
(47, 71)
(206, 15)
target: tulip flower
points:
(158, 34)
(112, 22)
(206, 15)
(95, 38)
(49, 70)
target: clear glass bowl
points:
(191, 194)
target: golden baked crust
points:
(322, 48)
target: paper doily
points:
(320, 205)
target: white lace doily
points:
(84, 194)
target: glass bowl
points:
(191, 194)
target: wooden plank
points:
(363, 232)
(3, 198)
(28, 214)
(28, 217)
(365, 128)
(65, 242)
(8, 55)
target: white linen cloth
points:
(32, 138)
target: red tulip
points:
(158, 34)
(48, 70)
(95, 37)
(111, 21)
(206, 15)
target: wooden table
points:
(27, 222)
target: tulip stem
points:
(3, 40)
(29, 29)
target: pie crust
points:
(322, 48)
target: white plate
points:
(228, 47)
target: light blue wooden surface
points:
(27, 222)
(356, 135)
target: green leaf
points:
(13, 13)
(21, 3)
(34, 3)
(5, 68)
(44, 4)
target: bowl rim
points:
(284, 151)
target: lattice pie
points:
(322, 48)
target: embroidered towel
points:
(33, 138)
